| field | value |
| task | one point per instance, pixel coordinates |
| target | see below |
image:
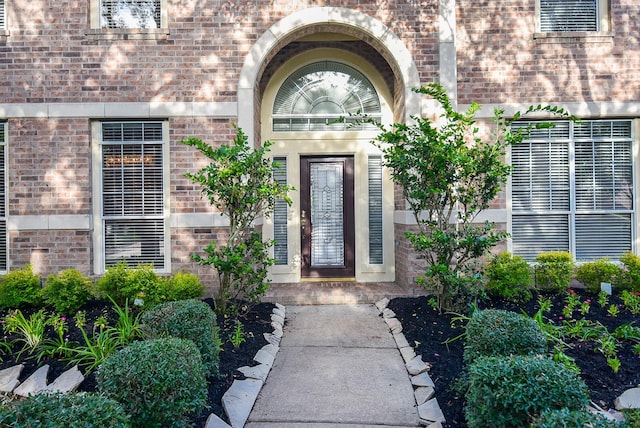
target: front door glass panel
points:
(327, 214)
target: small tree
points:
(448, 175)
(239, 183)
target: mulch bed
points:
(427, 330)
(255, 322)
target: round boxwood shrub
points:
(511, 391)
(495, 332)
(67, 291)
(509, 277)
(65, 410)
(158, 382)
(565, 418)
(20, 288)
(189, 319)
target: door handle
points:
(303, 219)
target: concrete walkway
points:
(338, 366)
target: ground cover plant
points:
(595, 335)
(35, 335)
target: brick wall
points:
(499, 60)
(50, 56)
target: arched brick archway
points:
(328, 20)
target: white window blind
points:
(133, 193)
(568, 15)
(130, 13)
(280, 216)
(572, 190)
(3, 19)
(3, 200)
(376, 254)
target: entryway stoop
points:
(335, 292)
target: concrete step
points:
(335, 292)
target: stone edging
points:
(429, 410)
(37, 382)
(241, 396)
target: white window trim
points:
(604, 25)
(96, 164)
(94, 20)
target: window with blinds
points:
(3, 199)
(130, 13)
(280, 216)
(3, 19)
(569, 15)
(133, 193)
(375, 211)
(572, 190)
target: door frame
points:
(348, 269)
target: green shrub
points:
(65, 410)
(512, 391)
(509, 277)
(184, 285)
(121, 283)
(67, 291)
(494, 332)
(19, 288)
(565, 418)
(630, 275)
(188, 319)
(591, 274)
(158, 382)
(553, 271)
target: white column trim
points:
(582, 109)
(140, 110)
(447, 48)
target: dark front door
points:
(326, 217)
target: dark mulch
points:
(428, 330)
(256, 322)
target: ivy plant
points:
(239, 182)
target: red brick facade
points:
(51, 58)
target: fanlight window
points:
(317, 95)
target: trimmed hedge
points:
(553, 271)
(67, 291)
(494, 332)
(565, 418)
(20, 288)
(65, 410)
(509, 277)
(158, 382)
(188, 319)
(507, 392)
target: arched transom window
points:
(315, 96)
